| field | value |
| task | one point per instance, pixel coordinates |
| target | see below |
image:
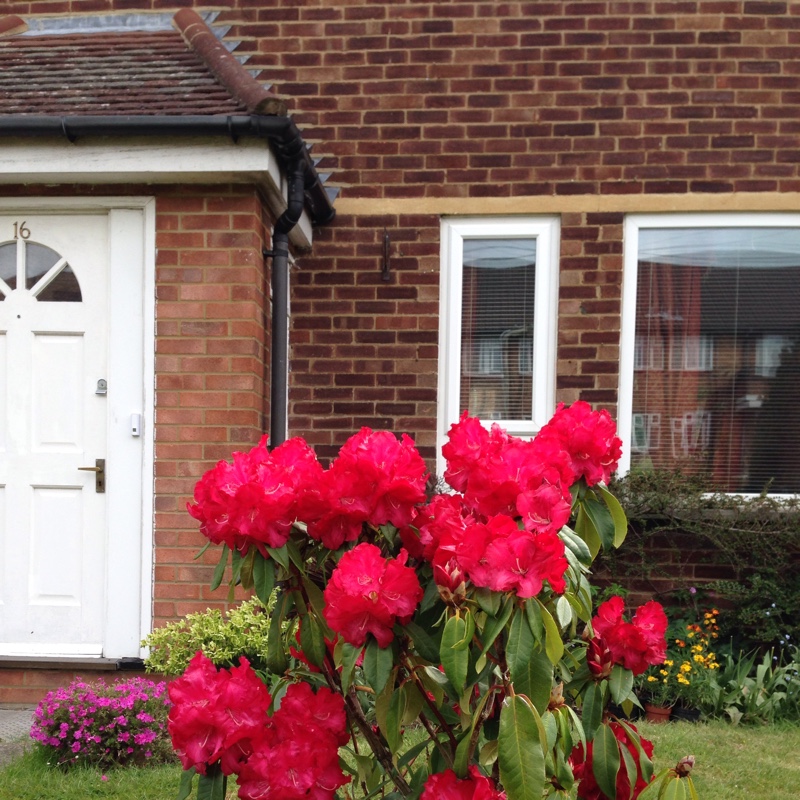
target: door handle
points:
(99, 470)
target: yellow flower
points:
(651, 678)
(699, 659)
(669, 662)
(686, 667)
(663, 672)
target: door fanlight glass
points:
(42, 271)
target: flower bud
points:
(451, 581)
(684, 766)
(599, 659)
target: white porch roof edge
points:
(153, 161)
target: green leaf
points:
(219, 570)
(674, 790)
(563, 611)
(281, 555)
(312, 640)
(494, 625)
(455, 661)
(554, 645)
(534, 614)
(212, 785)
(464, 750)
(295, 556)
(620, 682)
(394, 719)
(415, 702)
(605, 760)
(378, 664)
(520, 752)
(263, 577)
(246, 569)
(592, 709)
(489, 601)
(185, 789)
(585, 529)
(645, 764)
(530, 668)
(200, 555)
(602, 520)
(617, 514)
(576, 544)
(236, 567)
(350, 655)
(424, 643)
(276, 660)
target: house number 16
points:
(21, 231)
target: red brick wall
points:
(211, 379)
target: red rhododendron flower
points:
(446, 786)
(637, 644)
(299, 755)
(501, 557)
(216, 714)
(502, 474)
(366, 593)
(255, 500)
(445, 518)
(588, 437)
(582, 768)
(376, 478)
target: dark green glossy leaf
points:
(620, 682)
(212, 785)
(602, 520)
(494, 626)
(576, 545)
(530, 668)
(219, 570)
(394, 719)
(554, 645)
(592, 709)
(236, 567)
(585, 529)
(605, 760)
(455, 661)
(534, 614)
(281, 555)
(617, 514)
(246, 570)
(424, 643)
(185, 789)
(312, 640)
(350, 655)
(263, 577)
(277, 662)
(489, 601)
(378, 664)
(520, 752)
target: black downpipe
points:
(279, 385)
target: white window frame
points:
(545, 229)
(632, 225)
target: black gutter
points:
(281, 132)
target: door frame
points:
(131, 295)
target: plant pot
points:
(657, 714)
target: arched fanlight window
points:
(40, 269)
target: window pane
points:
(63, 288)
(8, 264)
(497, 327)
(723, 306)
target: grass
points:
(733, 763)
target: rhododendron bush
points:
(449, 642)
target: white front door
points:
(66, 584)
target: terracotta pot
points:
(657, 714)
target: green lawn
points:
(732, 764)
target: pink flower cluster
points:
(368, 594)
(255, 500)
(220, 716)
(502, 531)
(102, 725)
(377, 478)
(446, 786)
(636, 645)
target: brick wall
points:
(211, 362)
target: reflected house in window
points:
(42, 271)
(499, 279)
(724, 305)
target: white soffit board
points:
(152, 161)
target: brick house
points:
(539, 202)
